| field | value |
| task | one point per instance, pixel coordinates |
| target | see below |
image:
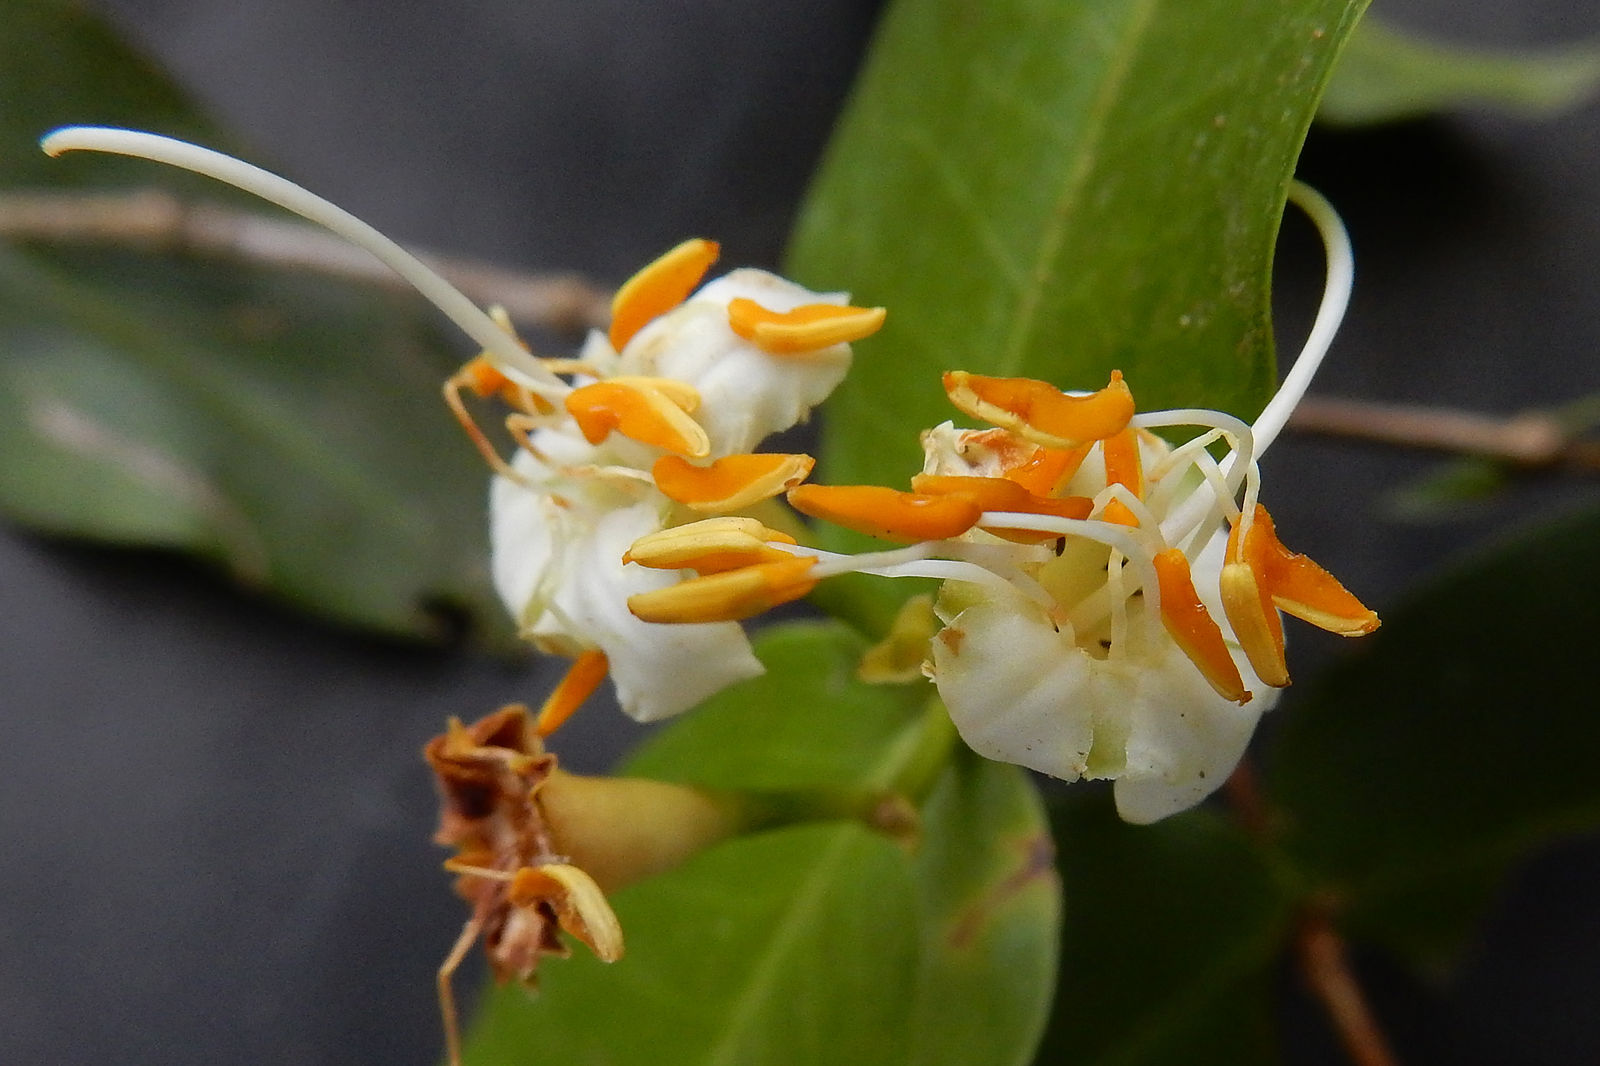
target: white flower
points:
(652, 424)
(1110, 605)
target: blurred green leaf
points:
(1386, 75)
(819, 943)
(1448, 490)
(1169, 944)
(288, 428)
(1454, 741)
(1057, 190)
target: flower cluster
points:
(658, 426)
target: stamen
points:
(642, 412)
(1123, 467)
(887, 513)
(580, 907)
(1041, 412)
(1249, 607)
(1335, 299)
(809, 328)
(709, 547)
(731, 483)
(286, 194)
(582, 678)
(1003, 494)
(1134, 544)
(1300, 587)
(1047, 471)
(1193, 629)
(659, 287)
(728, 596)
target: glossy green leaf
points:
(1386, 75)
(289, 428)
(1169, 944)
(1455, 740)
(822, 942)
(1057, 190)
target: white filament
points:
(505, 349)
(1335, 299)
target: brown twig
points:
(158, 222)
(1320, 951)
(1535, 439)
(1325, 965)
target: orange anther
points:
(710, 546)
(482, 377)
(582, 678)
(804, 329)
(1040, 411)
(659, 287)
(1047, 471)
(1123, 467)
(888, 513)
(1249, 605)
(731, 483)
(580, 907)
(1003, 494)
(1300, 587)
(1193, 629)
(728, 596)
(638, 410)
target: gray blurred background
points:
(214, 818)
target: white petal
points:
(1016, 690)
(1183, 739)
(658, 670)
(746, 395)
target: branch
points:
(1323, 958)
(1534, 440)
(1325, 965)
(158, 222)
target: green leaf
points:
(1171, 936)
(1457, 739)
(1057, 190)
(823, 942)
(1387, 75)
(289, 428)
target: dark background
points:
(212, 814)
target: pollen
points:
(731, 483)
(1193, 629)
(648, 410)
(728, 596)
(582, 678)
(888, 513)
(804, 329)
(711, 546)
(659, 287)
(1041, 412)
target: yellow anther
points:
(1193, 629)
(728, 596)
(710, 547)
(580, 907)
(1123, 467)
(1300, 587)
(640, 409)
(1249, 605)
(684, 395)
(659, 287)
(887, 513)
(804, 329)
(1003, 494)
(731, 483)
(1047, 471)
(1041, 412)
(582, 678)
